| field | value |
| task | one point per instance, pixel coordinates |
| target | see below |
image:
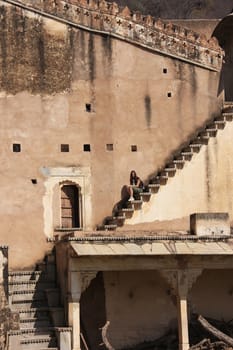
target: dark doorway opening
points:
(70, 207)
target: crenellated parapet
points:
(155, 35)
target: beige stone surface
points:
(203, 185)
(163, 248)
(132, 317)
(50, 74)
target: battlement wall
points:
(155, 35)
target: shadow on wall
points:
(93, 298)
(123, 201)
(180, 9)
(224, 34)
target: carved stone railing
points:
(155, 35)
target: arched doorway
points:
(70, 206)
(224, 33)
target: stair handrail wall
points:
(108, 18)
(158, 179)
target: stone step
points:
(48, 274)
(38, 343)
(187, 149)
(204, 133)
(170, 169)
(196, 144)
(135, 202)
(203, 139)
(187, 154)
(109, 227)
(145, 196)
(30, 285)
(38, 313)
(27, 304)
(161, 177)
(27, 295)
(219, 123)
(127, 212)
(23, 276)
(178, 161)
(167, 172)
(220, 118)
(118, 217)
(211, 130)
(227, 113)
(35, 323)
(228, 116)
(212, 127)
(34, 332)
(55, 314)
(154, 187)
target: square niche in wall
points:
(134, 148)
(16, 147)
(87, 147)
(109, 146)
(65, 147)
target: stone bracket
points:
(181, 281)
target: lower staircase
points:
(125, 209)
(33, 294)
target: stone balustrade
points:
(156, 35)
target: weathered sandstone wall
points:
(50, 72)
(203, 185)
(140, 306)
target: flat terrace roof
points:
(95, 244)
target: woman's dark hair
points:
(133, 177)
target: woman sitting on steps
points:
(135, 187)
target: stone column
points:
(181, 282)
(75, 286)
(182, 310)
(78, 282)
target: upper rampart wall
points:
(108, 18)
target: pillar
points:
(182, 310)
(181, 282)
(74, 307)
(78, 281)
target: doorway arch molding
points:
(54, 177)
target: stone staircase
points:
(33, 294)
(126, 209)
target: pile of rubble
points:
(204, 334)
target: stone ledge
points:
(126, 238)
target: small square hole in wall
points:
(134, 148)
(34, 181)
(16, 147)
(109, 146)
(87, 147)
(169, 94)
(88, 107)
(164, 70)
(65, 147)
